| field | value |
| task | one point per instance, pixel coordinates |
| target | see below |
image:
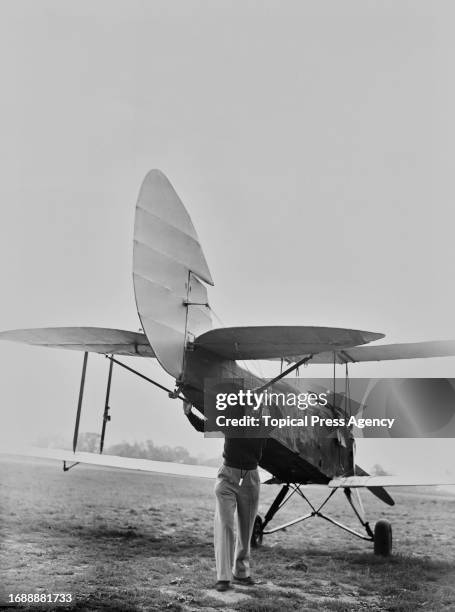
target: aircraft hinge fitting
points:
(175, 394)
(187, 303)
(66, 468)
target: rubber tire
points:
(257, 535)
(383, 538)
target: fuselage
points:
(291, 454)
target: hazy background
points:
(312, 143)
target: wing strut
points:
(172, 394)
(79, 403)
(78, 411)
(106, 415)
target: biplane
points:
(171, 282)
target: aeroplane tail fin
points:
(169, 273)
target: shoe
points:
(222, 585)
(247, 581)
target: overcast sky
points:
(312, 143)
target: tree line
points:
(89, 442)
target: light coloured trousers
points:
(229, 496)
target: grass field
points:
(126, 541)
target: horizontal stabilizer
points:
(91, 339)
(354, 482)
(270, 342)
(127, 463)
(388, 352)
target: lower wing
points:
(355, 482)
(114, 461)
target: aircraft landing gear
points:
(257, 535)
(382, 536)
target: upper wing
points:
(280, 341)
(385, 352)
(91, 339)
(354, 482)
(128, 463)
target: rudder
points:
(169, 272)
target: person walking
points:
(237, 487)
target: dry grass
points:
(127, 541)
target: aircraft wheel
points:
(257, 535)
(383, 538)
